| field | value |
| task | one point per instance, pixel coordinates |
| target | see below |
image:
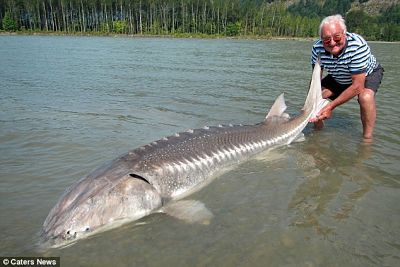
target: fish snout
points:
(62, 239)
(69, 234)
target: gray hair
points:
(332, 19)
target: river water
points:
(70, 104)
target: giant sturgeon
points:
(152, 177)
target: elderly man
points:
(352, 71)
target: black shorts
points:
(372, 82)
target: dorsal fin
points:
(278, 107)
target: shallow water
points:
(70, 104)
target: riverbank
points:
(177, 35)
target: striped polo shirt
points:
(355, 58)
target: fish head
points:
(95, 205)
(63, 229)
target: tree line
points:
(190, 17)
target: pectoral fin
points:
(190, 211)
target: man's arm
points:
(354, 89)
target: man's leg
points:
(366, 99)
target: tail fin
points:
(314, 101)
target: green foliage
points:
(209, 28)
(233, 29)
(268, 18)
(391, 15)
(356, 20)
(9, 24)
(317, 8)
(391, 32)
(384, 27)
(306, 8)
(119, 26)
(390, 24)
(331, 7)
(104, 27)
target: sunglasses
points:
(336, 38)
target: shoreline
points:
(174, 36)
(177, 36)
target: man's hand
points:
(325, 113)
(353, 90)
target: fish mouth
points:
(53, 241)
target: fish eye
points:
(87, 229)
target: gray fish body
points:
(149, 177)
(178, 164)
